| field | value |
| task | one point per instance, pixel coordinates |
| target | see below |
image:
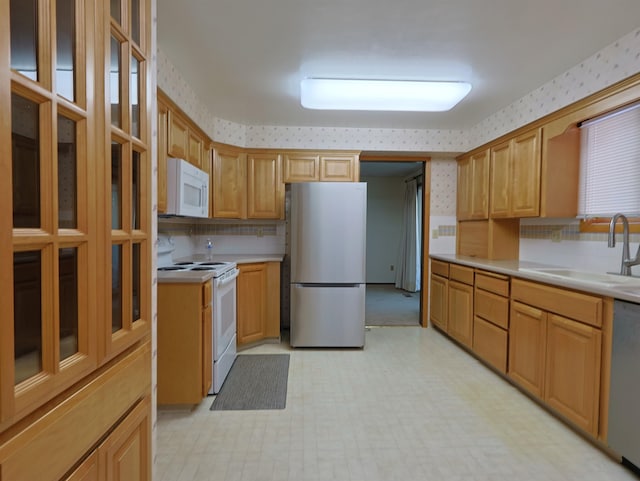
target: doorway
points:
(396, 248)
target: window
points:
(610, 168)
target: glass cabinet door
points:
(129, 174)
(75, 254)
(48, 239)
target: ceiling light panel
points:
(381, 95)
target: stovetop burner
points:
(171, 268)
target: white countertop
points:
(628, 292)
(204, 276)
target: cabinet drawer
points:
(575, 305)
(461, 274)
(440, 268)
(490, 344)
(496, 283)
(492, 308)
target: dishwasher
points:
(624, 397)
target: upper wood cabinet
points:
(247, 186)
(515, 177)
(473, 187)
(178, 136)
(265, 188)
(229, 183)
(323, 167)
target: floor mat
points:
(256, 381)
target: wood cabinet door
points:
(229, 184)
(460, 323)
(527, 343)
(525, 175)
(479, 208)
(87, 471)
(338, 168)
(301, 167)
(500, 180)
(126, 453)
(572, 373)
(196, 150)
(464, 192)
(439, 300)
(163, 115)
(265, 188)
(178, 136)
(252, 302)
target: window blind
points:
(610, 164)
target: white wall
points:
(385, 199)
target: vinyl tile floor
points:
(410, 406)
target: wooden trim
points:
(426, 215)
(601, 224)
(400, 157)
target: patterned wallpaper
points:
(610, 65)
(443, 187)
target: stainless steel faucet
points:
(627, 262)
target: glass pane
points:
(135, 204)
(116, 11)
(114, 83)
(135, 97)
(116, 185)
(65, 48)
(116, 288)
(27, 322)
(25, 140)
(135, 21)
(66, 173)
(135, 276)
(24, 37)
(68, 272)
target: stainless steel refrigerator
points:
(328, 240)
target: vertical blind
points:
(610, 164)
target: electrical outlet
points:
(434, 233)
(391, 267)
(556, 236)
(259, 232)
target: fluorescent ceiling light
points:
(395, 95)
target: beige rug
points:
(388, 306)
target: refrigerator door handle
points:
(323, 284)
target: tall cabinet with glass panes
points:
(75, 236)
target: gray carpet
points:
(388, 306)
(256, 381)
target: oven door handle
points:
(227, 280)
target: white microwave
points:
(187, 189)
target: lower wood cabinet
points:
(554, 357)
(551, 341)
(438, 295)
(125, 454)
(258, 302)
(184, 342)
(460, 322)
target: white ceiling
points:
(245, 59)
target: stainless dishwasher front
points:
(624, 398)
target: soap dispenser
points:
(209, 247)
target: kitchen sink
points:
(607, 279)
